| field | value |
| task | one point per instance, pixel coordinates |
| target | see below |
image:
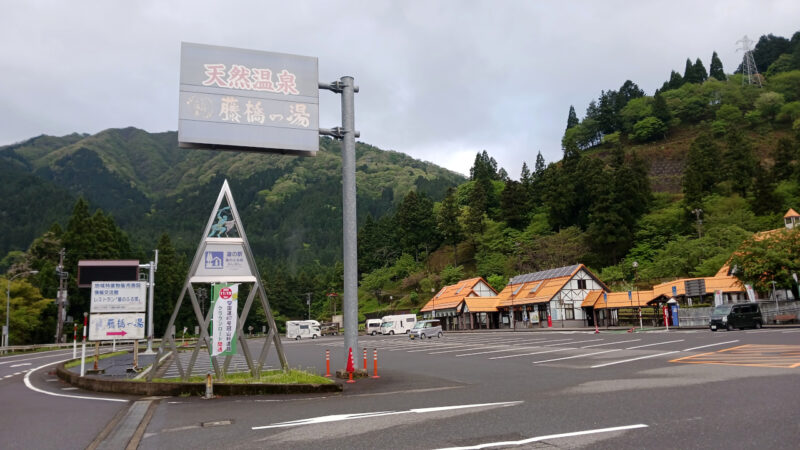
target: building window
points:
(569, 313)
(581, 284)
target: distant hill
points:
(291, 206)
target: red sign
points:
(225, 293)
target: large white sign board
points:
(106, 327)
(118, 296)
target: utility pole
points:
(308, 302)
(61, 296)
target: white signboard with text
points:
(107, 327)
(118, 296)
(223, 260)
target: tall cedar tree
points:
(483, 172)
(477, 208)
(448, 224)
(764, 199)
(739, 162)
(784, 155)
(377, 244)
(621, 200)
(91, 237)
(660, 108)
(699, 71)
(172, 268)
(416, 224)
(688, 72)
(513, 205)
(675, 81)
(702, 170)
(715, 70)
(572, 118)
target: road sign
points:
(247, 100)
(118, 296)
(695, 288)
(223, 323)
(106, 327)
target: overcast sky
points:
(440, 80)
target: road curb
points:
(98, 384)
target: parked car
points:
(398, 324)
(329, 328)
(736, 315)
(296, 329)
(426, 328)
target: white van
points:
(372, 327)
(296, 329)
(399, 324)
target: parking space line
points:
(634, 359)
(547, 438)
(510, 349)
(578, 356)
(711, 345)
(574, 343)
(461, 349)
(657, 343)
(610, 343)
(535, 353)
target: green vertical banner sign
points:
(224, 304)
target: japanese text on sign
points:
(118, 296)
(250, 79)
(106, 327)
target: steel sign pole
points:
(350, 303)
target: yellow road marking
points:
(749, 355)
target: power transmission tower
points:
(749, 70)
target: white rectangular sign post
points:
(107, 327)
(118, 296)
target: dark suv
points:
(736, 315)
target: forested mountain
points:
(291, 206)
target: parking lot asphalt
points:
(687, 388)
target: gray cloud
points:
(440, 80)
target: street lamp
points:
(8, 302)
(635, 277)
(433, 311)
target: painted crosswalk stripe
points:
(711, 345)
(634, 359)
(534, 353)
(577, 356)
(657, 343)
(610, 343)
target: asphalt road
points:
(685, 389)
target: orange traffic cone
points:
(350, 368)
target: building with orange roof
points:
(791, 219)
(530, 299)
(451, 307)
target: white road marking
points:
(50, 380)
(69, 389)
(711, 345)
(791, 331)
(34, 388)
(577, 356)
(574, 343)
(340, 417)
(634, 359)
(20, 365)
(8, 376)
(510, 349)
(458, 349)
(548, 437)
(28, 359)
(534, 353)
(610, 343)
(657, 343)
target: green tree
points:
(764, 199)
(448, 223)
(739, 162)
(785, 154)
(27, 310)
(660, 108)
(688, 72)
(417, 224)
(675, 81)
(170, 276)
(759, 261)
(572, 118)
(769, 104)
(513, 205)
(648, 129)
(475, 211)
(699, 71)
(702, 170)
(715, 70)
(452, 275)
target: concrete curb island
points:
(99, 384)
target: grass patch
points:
(77, 362)
(293, 376)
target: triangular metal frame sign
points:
(223, 256)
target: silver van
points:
(426, 328)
